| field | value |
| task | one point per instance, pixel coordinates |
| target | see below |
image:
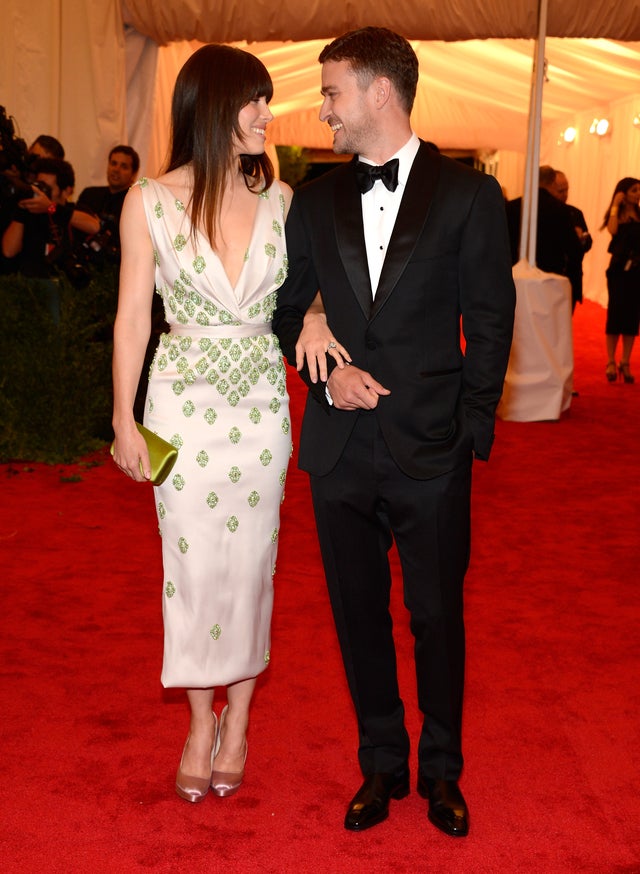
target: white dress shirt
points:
(380, 210)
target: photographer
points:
(38, 234)
(98, 209)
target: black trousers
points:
(360, 507)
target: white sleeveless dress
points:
(217, 391)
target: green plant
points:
(55, 380)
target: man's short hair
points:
(50, 145)
(62, 170)
(127, 150)
(377, 51)
(547, 176)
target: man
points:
(38, 235)
(99, 207)
(389, 440)
(558, 249)
(559, 187)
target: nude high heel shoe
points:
(191, 788)
(226, 783)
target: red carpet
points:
(90, 742)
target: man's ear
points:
(381, 90)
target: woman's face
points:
(252, 121)
(632, 195)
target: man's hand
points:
(37, 204)
(354, 389)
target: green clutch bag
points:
(162, 455)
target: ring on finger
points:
(332, 345)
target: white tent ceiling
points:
(232, 20)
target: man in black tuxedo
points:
(400, 253)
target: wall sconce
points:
(568, 135)
(636, 121)
(600, 126)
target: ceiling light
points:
(600, 126)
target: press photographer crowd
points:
(44, 232)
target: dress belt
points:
(220, 332)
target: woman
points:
(622, 220)
(210, 234)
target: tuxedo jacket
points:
(448, 260)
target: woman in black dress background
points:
(622, 220)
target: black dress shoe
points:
(371, 802)
(447, 808)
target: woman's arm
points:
(316, 341)
(131, 334)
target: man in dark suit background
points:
(558, 248)
(400, 253)
(560, 189)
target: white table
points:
(539, 377)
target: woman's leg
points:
(233, 745)
(197, 754)
(627, 346)
(612, 342)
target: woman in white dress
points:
(209, 235)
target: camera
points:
(16, 173)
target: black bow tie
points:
(367, 174)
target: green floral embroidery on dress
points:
(233, 524)
(183, 546)
(178, 387)
(274, 405)
(286, 426)
(253, 499)
(283, 477)
(176, 441)
(234, 435)
(184, 276)
(215, 632)
(233, 399)
(265, 457)
(143, 182)
(202, 458)
(235, 474)
(264, 194)
(199, 264)
(179, 205)
(188, 408)
(255, 415)
(267, 657)
(158, 210)
(180, 242)
(156, 258)
(162, 510)
(277, 227)
(178, 482)
(212, 500)
(270, 250)
(162, 362)
(169, 589)
(210, 416)
(274, 535)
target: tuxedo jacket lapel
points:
(350, 237)
(410, 221)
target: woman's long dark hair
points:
(211, 89)
(623, 185)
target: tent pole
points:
(529, 223)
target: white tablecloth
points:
(539, 377)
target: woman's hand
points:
(315, 342)
(131, 455)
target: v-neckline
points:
(200, 236)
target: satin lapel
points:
(350, 237)
(410, 222)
